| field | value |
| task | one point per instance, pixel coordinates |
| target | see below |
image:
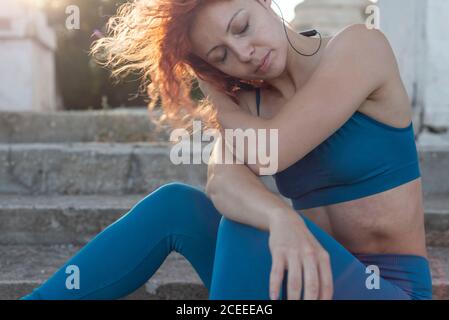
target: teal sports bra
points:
(363, 157)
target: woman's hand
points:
(294, 248)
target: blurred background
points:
(78, 151)
(45, 66)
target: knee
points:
(179, 191)
(174, 197)
(175, 187)
(181, 208)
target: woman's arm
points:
(240, 195)
(256, 205)
(356, 63)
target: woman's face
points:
(235, 36)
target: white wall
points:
(417, 30)
(436, 94)
(27, 67)
(16, 75)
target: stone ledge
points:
(77, 219)
(121, 168)
(91, 168)
(116, 125)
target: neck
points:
(298, 68)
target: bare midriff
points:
(389, 222)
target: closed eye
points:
(226, 51)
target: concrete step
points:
(77, 219)
(124, 126)
(59, 219)
(26, 267)
(439, 262)
(437, 219)
(118, 125)
(91, 168)
(126, 168)
(53, 219)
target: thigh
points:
(242, 266)
(122, 257)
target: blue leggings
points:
(232, 259)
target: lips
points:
(264, 61)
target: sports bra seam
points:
(384, 125)
(258, 98)
(363, 180)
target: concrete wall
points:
(436, 93)
(418, 33)
(27, 67)
(328, 16)
(16, 76)
(417, 30)
(403, 22)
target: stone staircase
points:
(65, 176)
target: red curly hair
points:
(150, 37)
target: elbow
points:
(255, 168)
(218, 185)
(264, 170)
(212, 185)
(214, 191)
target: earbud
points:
(309, 33)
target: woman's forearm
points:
(240, 196)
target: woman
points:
(347, 160)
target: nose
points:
(244, 51)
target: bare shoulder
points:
(368, 53)
(359, 39)
(366, 48)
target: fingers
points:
(311, 279)
(294, 278)
(312, 271)
(325, 274)
(276, 274)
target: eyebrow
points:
(227, 30)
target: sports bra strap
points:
(258, 100)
